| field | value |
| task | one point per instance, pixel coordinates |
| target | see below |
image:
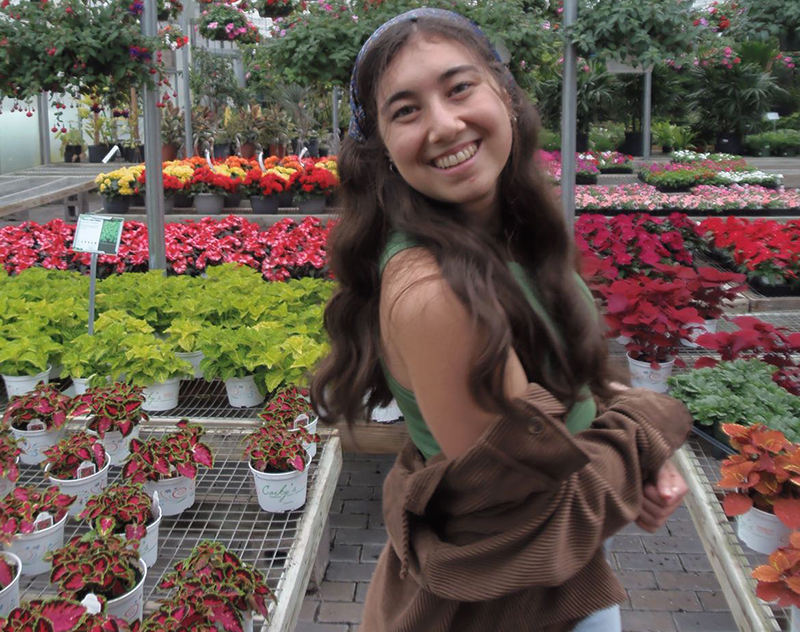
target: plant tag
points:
(108, 156)
(261, 160)
(154, 506)
(43, 521)
(92, 604)
(86, 468)
(36, 424)
(208, 160)
(301, 421)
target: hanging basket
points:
(275, 8)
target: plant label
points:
(110, 154)
(154, 506)
(92, 604)
(36, 424)
(98, 234)
(86, 468)
(301, 421)
(43, 521)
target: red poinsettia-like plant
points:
(176, 454)
(114, 408)
(65, 457)
(765, 473)
(312, 182)
(20, 508)
(45, 403)
(779, 580)
(59, 615)
(120, 509)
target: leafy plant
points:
(106, 565)
(778, 580)
(84, 358)
(65, 457)
(60, 615)
(227, 23)
(44, 403)
(286, 405)
(175, 454)
(183, 334)
(172, 125)
(120, 509)
(260, 184)
(195, 614)
(145, 360)
(9, 451)
(275, 448)
(26, 349)
(8, 571)
(312, 182)
(20, 508)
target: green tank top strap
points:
(397, 242)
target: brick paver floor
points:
(670, 585)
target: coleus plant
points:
(119, 509)
(20, 508)
(286, 405)
(106, 565)
(275, 448)
(765, 473)
(779, 579)
(212, 570)
(45, 403)
(192, 614)
(66, 456)
(175, 454)
(9, 452)
(114, 408)
(59, 615)
(8, 571)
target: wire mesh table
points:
(282, 546)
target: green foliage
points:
(777, 141)
(767, 20)
(738, 392)
(26, 348)
(141, 295)
(183, 334)
(789, 122)
(84, 358)
(674, 136)
(607, 136)
(550, 141)
(594, 95)
(213, 82)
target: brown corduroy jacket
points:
(508, 537)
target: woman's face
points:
(445, 124)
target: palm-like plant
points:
(296, 100)
(594, 96)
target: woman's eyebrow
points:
(405, 94)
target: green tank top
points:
(579, 417)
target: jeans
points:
(606, 620)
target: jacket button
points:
(535, 428)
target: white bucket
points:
(623, 340)
(175, 494)
(762, 531)
(82, 488)
(162, 396)
(387, 414)
(243, 392)
(55, 371)
(117, 447)
(247, 622)
(6, 486)
(795, 619)
(310, 448)
(194, 358)
(148, 545)
(81, 384)
(31, 548)
(278, 493)
(21, 384)
(708, 327)
(130, 606)
(644, 376)
(9, 596)
(33, 443)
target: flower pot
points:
(708, 327)
(175, 494)
(98, 152)
(129, 607)
(644, 376)
(162, 396)
(31, 548)
(148, 545)
(82, 488)
(116, 446)
(311, 427)
(729, 143)
(33, 443)
(762, 531)
(21, 384)
(581, 142)
(313, 205)
(286, 199)
(116, 205)
(247, 150)
(313, 147)
(7, 486)
(194, 358)
(795, 619)
(169, 203)
(282, 491)
(9, 596)
(222, 150)
(633, 144)
(168, 152)
(55, 371)
(232, 201)
(265, 205)
(243, 392)
(72, 153)
(387, 414)
(181, 200)
(209, 203)
(134, 154)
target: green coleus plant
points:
(193, 614)
(183, 334)
(175, 454)
(84, 358)
(144, 360)
(9, 453)
(66, 456)
(286, 405)
(113, 408)
(105, 565)
(45, 403)
(60, 615)
(26, 348)
(212, 570)
(275, 448)
(20, 508)
(8, 571)
(120, 509)
(143, 296)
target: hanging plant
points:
(275, 8)
(225, 23)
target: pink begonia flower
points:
(229, 27)
(283, 32)
(213, 25)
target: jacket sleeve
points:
(530, 505)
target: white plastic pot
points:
(281, 492)
(81, 384)
(117, 447)
(21, 384)
(148, 545)
(762, 531)
(31, 548)
(175, 494)
(387, 414)
(247, 622)
(9, 596)
(194, 358)
(82, 488)
(6, 487)
(243, 392)
(33, 443)
(644, 376)
(795, 620)
(162, 396)
(310, 448)
(708, 327)
(55, 371)
(130, 606)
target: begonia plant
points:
(120, 509)
(113, 408)
(45, 403)
(66, 456)
(312, 182)
(20, 508)
(178, 453)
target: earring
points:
(392, 166)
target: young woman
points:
(459, 297)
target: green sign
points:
(98, 234)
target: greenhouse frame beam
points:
(187, 95)
(569, 115)
(646, 112)
(44, 128)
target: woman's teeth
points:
(457, 158)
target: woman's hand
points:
(661, 498)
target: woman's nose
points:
(444, 122)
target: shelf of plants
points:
(280, 545)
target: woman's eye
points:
(404, 111)
(461, 87)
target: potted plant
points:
(25, 357)
(10, 572)
(209, 188)
(763, 474)
(224, 22)
(312, 187)
(118, 188)
(279, 464)
(274, 8)
(264, 190)
(212, 570)
(183, 335)
(9, 463)
(654, 315)
(126, 510)
(78, 465)
(114, 413)
(290, 407)
(105, 565)
(62, 615)
(72, 144)
(37, 421)
(778, 580)
(198, 614)
(172, 131)
(32, 523)
(169, 465)
(83, 361)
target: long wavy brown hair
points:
(377, 201)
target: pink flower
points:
(213, 25)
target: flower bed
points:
(687, 156)
(679, 177)
(612, 161)
(586, 170)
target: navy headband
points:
(357, 129)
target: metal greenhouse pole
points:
(154, 193)
(185, 89)
(569, 113)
